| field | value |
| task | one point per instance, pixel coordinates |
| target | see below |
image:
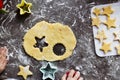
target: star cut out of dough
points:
(40, 43)
(97, 11)
(118, 49)
(105, 47)
(101, 35)
(96, 22)
(24, 71)
(48, 71)
(107, 11)
(117, 36)
(110, 23)
(24, 7)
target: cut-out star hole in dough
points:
(40, 43)
(48, 71)
(24, 71)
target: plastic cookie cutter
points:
(24, 7)
(48, 71)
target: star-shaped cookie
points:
(96, 22)
(101, 35)
(107, 11)
(105, 47)
(110, 23)
(24, 7)
(118, 49)
(97, 11)
(48, 71)
(117, 36)
(24, 71)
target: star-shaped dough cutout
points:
(117, 36)
(96, 22)
(97, 11)
(40, 43)
(48, 71)
(107, 11)
(101, 35)
(106, 47)
(118, 49)
(24, 7)
(110, 23)
(24, 71)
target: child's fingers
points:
(71, 74)
(2, 67)
(4, 52)
(64, 77)
(81, 78)
(2, 60)
(77, 75)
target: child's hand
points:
(3, 58)
(72, 75)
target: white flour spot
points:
(48, 1)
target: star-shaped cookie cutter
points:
(24, 7)
(48, 71)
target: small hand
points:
(3, 58)
(72, 75)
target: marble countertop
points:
(74, 13)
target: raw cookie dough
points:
(96, 22)
(24, 71)
(106, 47)
(110, 23)
(117, 36)
(107, 11)
(118, 49)
(101, 35)
(53, 35)
(97, 11)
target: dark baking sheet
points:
(76, 14)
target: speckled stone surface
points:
(76, 14)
